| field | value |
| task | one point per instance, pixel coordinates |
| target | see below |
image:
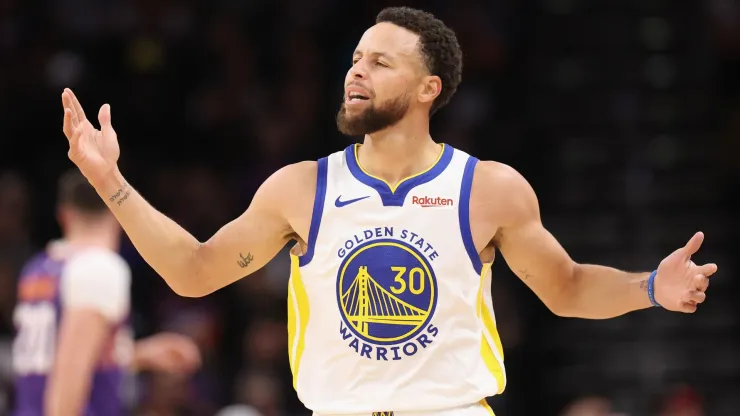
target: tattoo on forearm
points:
(245, 260)
(121, 195)
(644, 285)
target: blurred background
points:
(623, 114)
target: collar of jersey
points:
(395, 195)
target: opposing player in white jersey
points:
(390, 310)
(74, 346)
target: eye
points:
(378, 63)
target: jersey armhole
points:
(464, 214)
(318, 210)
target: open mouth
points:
(354, 97)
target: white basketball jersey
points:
(390, 307)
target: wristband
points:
(651, 289)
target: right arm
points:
(241, 247)
(189, 267)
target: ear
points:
(431, 87)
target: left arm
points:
(580, 290)
(568, 288)
(94, 293)
(82, 335)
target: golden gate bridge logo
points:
(386, 291)
(366, 302)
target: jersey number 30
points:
(415, 277)
(33, 349)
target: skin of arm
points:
(83, 334)
(567, 288)
(279, 212)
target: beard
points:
(374, 118)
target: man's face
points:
(381, 85)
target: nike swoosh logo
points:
(340, 204)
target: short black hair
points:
(76, 192)
(438, 45)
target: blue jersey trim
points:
(464, 214)
(396, 197)
(318, 210)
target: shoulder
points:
(32, 263)
(97, 279)
(504, 190)
(302, 176)
(96, 263)
(301, 173)
(496, 177)
(288, 185)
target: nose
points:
(358, 70)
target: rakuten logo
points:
(426, 201)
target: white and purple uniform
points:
(59, 279)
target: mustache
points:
(370, 91)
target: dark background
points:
(623, 114)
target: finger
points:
(75, 142)
(701, 283)
(189, 354)
(694, 243)
(696, 297)
(74, 139)
(67, 127)
(688, 308)
(76, 104)
(708, 269)
(69, 105)
(104, 118)
(180, 364)
(195, 361)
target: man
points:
(388, 308)
(73, 346)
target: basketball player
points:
(388, 296)
(73, 345)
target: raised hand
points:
(95, 152)
(680, 284)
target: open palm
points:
(95, 152)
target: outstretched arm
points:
(583, 290)
(241, 247)
(189, 267)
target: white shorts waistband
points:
(477, 409)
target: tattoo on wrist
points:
(121, 195)
(644, 285)
(245, 260)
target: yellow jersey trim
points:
(298, 315)
(485, 405)
(394, 187)
(490, 332)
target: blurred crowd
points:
(209, 98)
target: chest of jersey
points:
(387, 280)
(389, 255)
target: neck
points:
(398, 152)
